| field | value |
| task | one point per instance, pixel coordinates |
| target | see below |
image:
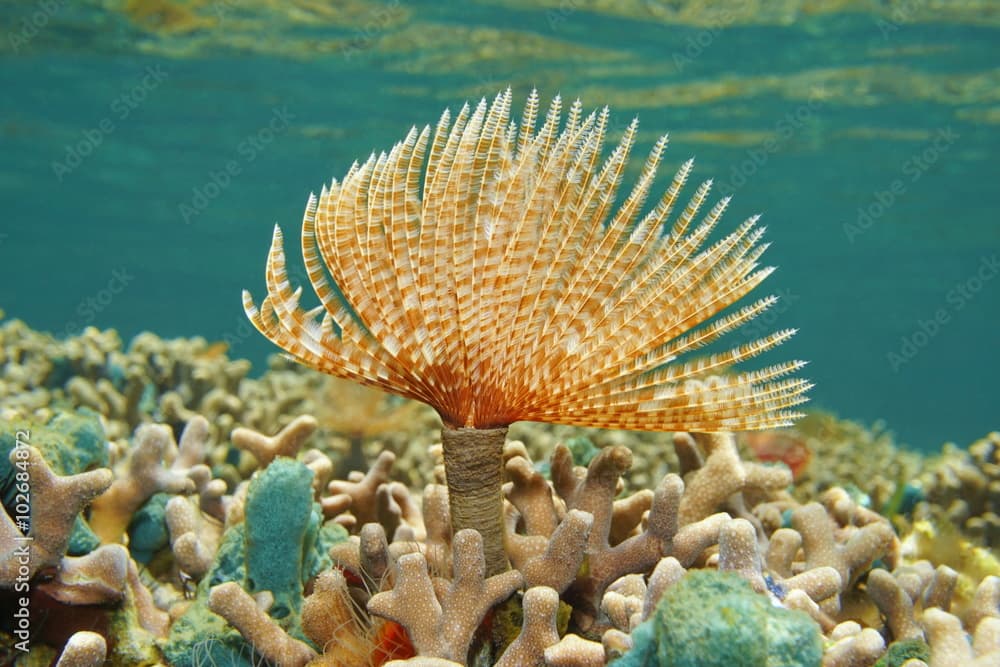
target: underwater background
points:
(149, 147)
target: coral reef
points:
(832, 448)
(172, 382)
(288, 565)
(962, 488)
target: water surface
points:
(149, 147)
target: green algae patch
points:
(583, 450)
(70, 443)
(901, 651)
(280, 532)
(201, 637)
(82, 539)
(713, 619)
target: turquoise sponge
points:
(281, 531)
(279, 547)
(714, 619)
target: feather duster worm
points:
(483, 269)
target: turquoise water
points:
(146, 156)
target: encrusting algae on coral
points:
(512, 290)
(218, 532)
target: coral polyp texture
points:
(512, 288)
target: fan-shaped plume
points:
(510, 289)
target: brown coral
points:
(963, 489)
(241, 610)
(146, 471)
(58, 501)
(441, 621)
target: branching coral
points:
(239, 608)
(285, 443)
(638, 553)
(57, 503)
(194, 537)
(950, 644)
(516, 225)
(609, 533)
(146, 471)
(84, 649)
(441, 623)
(538, 632)
(595, 561)
(715, 478)
(963, 488)
(850, 555)
(359, 491)
(853, 646)
(96, 578)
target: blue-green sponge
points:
(279, 547)
(714, 619)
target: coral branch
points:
(146, 473)
(236, 606)
(538, 630)
(56, 503)
(286, 442)
(84, 649)
(443, 629)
